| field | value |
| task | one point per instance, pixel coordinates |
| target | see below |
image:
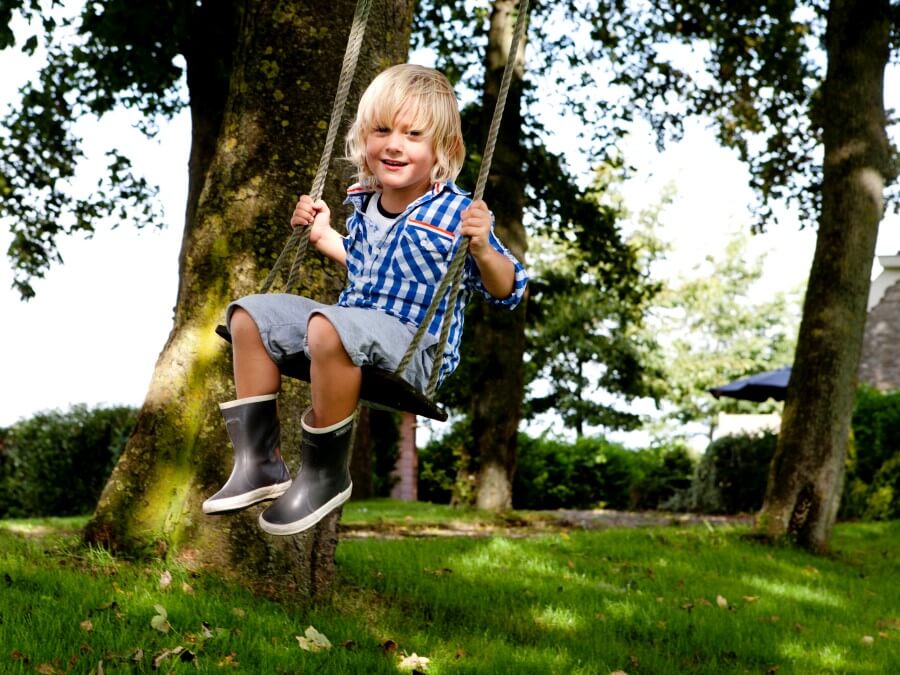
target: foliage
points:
(713, 331)
(872, 487)
(552, 473)
(731, 476)
(589, 473)
(58, 462)
(576, 602)
(585, 320)
(110, 54)
(587, 288)
(665, 471)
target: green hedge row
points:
(56, 463)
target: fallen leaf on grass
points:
(87, 625)
(165, 580)
(868, 641)
(313, 641)
(187, 588)
(618, 672)
(160, 620)
(230, 660)
(750, 599)
(414, 662)
(721, 602)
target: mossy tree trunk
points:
(498, 335)
(807, 472)
(249, 163)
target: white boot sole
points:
(284, 529)
(213, 506)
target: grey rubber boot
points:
(259, 472)
(322, 484)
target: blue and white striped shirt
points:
(398, 271)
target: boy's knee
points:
(242, 326)
(323, 339)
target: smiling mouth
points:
(393, 163)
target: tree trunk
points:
(807, 472)
(498, 334)
(287, 58)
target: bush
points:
(667, 471)
(731, 476)
(58, 463)
(871, 489)
(590, 473)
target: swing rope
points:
(299, 238)
(453, 278)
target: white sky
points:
(93, 333)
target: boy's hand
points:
(476, 225)
(315, 214)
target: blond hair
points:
(435, 111)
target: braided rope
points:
(454, 275)
(300, 236)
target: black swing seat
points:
(382, 389)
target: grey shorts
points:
(371, 337)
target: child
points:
(408, 219)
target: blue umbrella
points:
(760, 387)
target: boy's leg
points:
(323, 482)
(255, 373)
(259, 472)
(335, 381)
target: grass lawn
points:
(647, 600)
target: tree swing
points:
(383, 388)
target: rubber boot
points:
(259, 471)
(322, 484)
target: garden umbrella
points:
(759, 387)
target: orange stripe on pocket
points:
(435, 228)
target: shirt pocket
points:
(423, 252)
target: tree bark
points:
(807, 471)
(498, 334)
(287, 58)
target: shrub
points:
(59, 462)
(731, 476)
(553, 474)
(667, 471)
(876, 431)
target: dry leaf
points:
(165, 580)
(187, 588)
(87, 625)
(414, 662)
(570, 564)
(230, 660)
(618, 672)
(313, 641)
(160, 620)
(868, 640)
(721, 602)
(237, 611)
(751, 598)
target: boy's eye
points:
(415, 133)
(381, 130)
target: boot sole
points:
(242, 501)
(305, 523)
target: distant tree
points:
(711, 330)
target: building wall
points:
(880, 362)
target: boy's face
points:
(401, 158)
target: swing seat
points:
(382, 389)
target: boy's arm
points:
(498, 274)
(317, 216)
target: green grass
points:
(641, 601)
